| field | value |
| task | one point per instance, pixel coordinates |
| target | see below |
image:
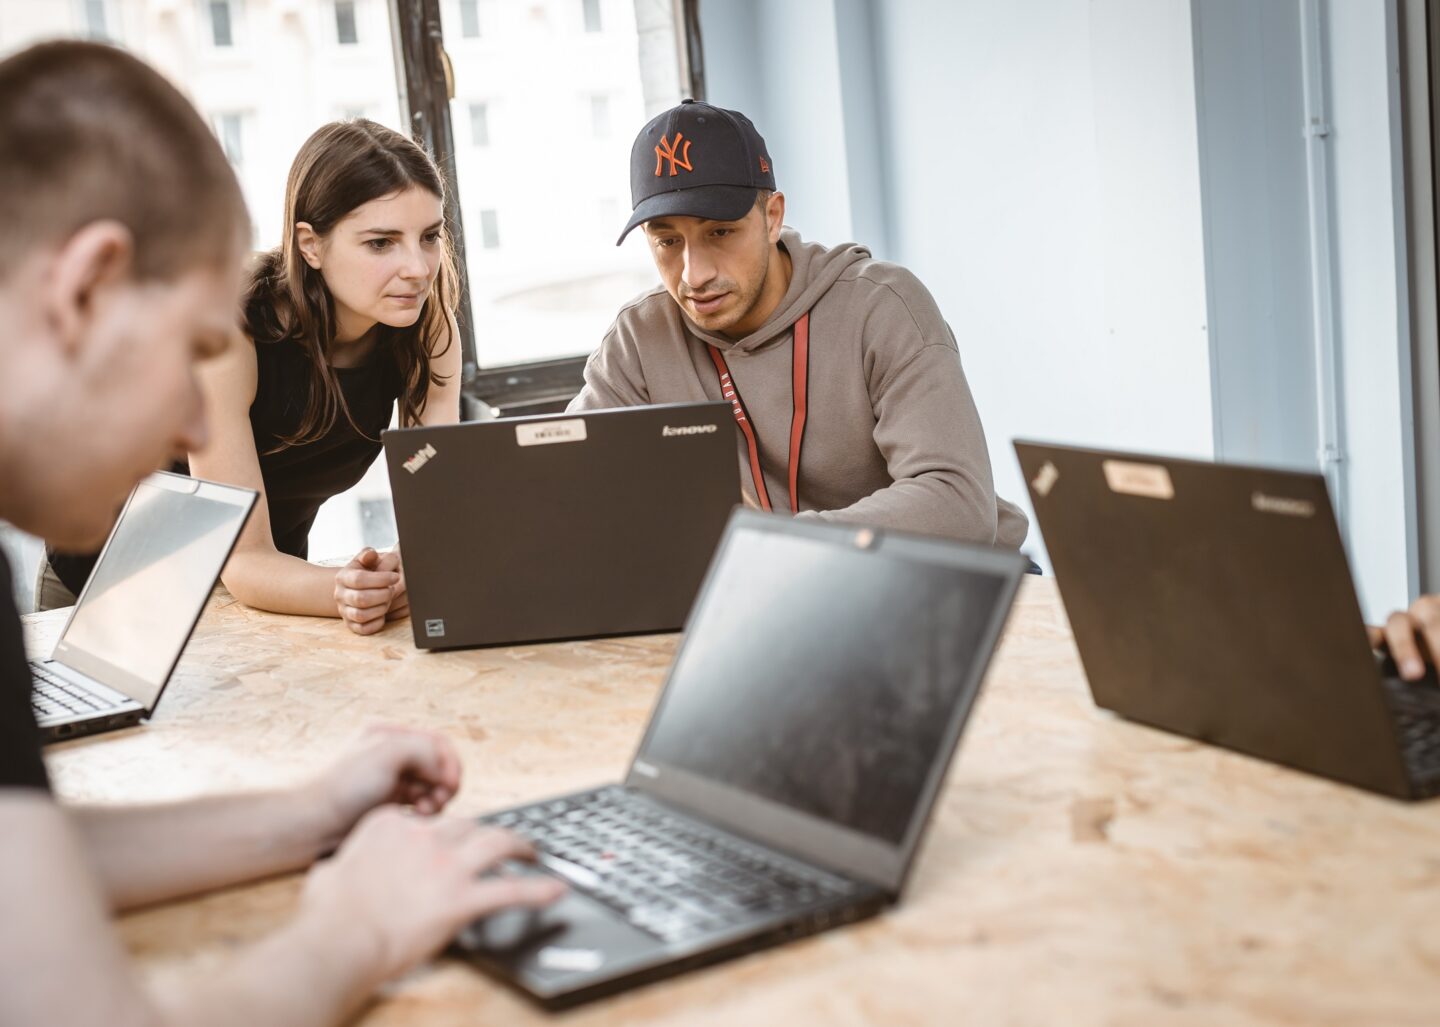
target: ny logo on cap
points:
(666, 151)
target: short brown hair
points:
(89, 133)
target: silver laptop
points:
(138, 609)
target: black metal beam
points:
(426, 82)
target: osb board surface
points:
(1079, 869)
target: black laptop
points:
(788, 769)
(139, 607)
(560, 526)
(1215, 601)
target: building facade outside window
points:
(470, 19)
(97, 22)
(346, 31)
(230, 127)
(479, 124)
(222, 23)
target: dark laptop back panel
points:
(1215, 601)
(566, 526)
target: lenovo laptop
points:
(139, 607)
(789, 767)
(561, 526)
(1215, 601)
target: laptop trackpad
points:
(576, 936)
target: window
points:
(489, 230)
(526, 306)
(230, 127)
(600, 117)
(96, 26)
(479, 124)
(593, 92)
(470, 19)
(345, 29)
(221, 27)
(592, 15)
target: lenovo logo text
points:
(689, 429)
(1281, 505)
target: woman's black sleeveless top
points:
(298, 478)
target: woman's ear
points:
(98, 256)
(308, 243)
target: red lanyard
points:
(800, 377)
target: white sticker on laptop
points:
(1149, 480)
(1046, 479)
(545, 433)
(554, 957)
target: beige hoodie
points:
(892, 437)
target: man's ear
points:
(775, 215)
(100, 254)
(308, 242)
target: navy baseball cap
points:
(698, 161)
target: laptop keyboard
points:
(1417, 719)
(53, 696)
(668, 875)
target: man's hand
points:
(387, 765)
(402, 886)
(367, 588)
(1412, 636)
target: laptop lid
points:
(561, 526)
(150, 584)
(822, 685)
(1215, 601)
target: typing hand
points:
(1412, 636)
(402, 886)
(387, 765)
(366, 588)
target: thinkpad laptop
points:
(562, 526)
(1215, 601)
(139, 607)
(788, 769)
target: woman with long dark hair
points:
(352, 314)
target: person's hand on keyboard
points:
(1412, 636)
(402, 886)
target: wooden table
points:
(1079, 870)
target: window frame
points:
(425, 80)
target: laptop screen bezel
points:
(90, 664)
(785, 828)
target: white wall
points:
(1372, 320)
(779, 64)
(1040, 161)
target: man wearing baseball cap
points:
(844, 380)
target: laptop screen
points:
(825, 678)
(140, 605)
